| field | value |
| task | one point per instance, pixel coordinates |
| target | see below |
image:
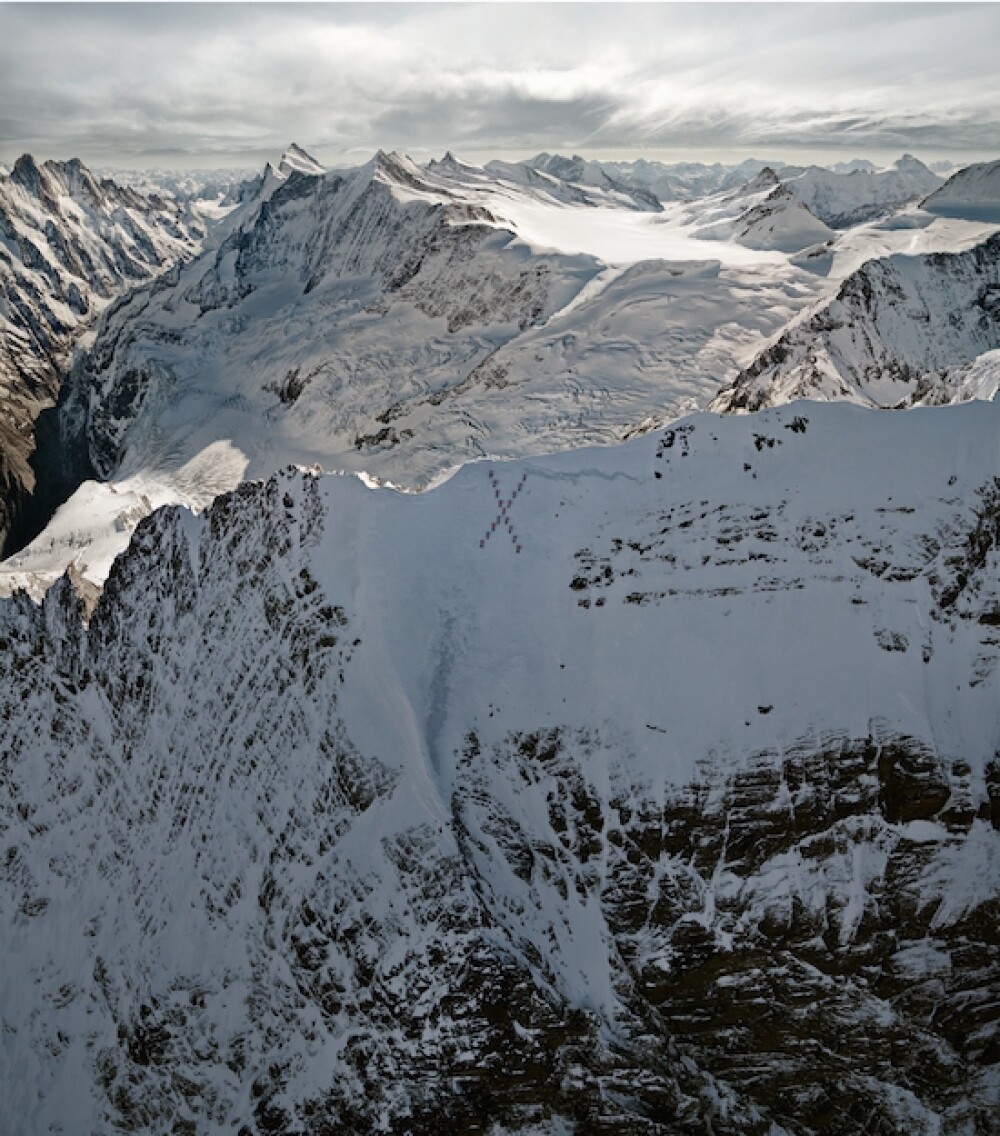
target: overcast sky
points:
(196, 84)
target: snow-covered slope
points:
(401, 320)
(649, 789)
(781, 222)
(845, 199)
(69, 244)
(899, 331)
(760, 214)
(972, 192)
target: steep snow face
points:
(899, 331)
(842, 200)
(69, 244)
(639, 790)
(973, 192)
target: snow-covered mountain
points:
(971, 192)
(69, 244)
(845, 199)
(295, 158)
(688, 181)
(359, 271)
(649, 789)
(761, 214)
(901, 330)
(400, 320)
(849, 193)
(199, 187)
(779, 222)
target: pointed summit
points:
(766, 179)
(297, 160)
(26, 173)
(449, 164)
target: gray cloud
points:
(127, 84)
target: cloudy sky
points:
(198, 85)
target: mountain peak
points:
(398, 169)
(26, 173)
(75, 178)
(765, 179)
(295, 159)
(909, 164)
(449, 164)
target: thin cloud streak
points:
(207, 83)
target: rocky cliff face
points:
(69, 244)
(639, 790)
(900, 331)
